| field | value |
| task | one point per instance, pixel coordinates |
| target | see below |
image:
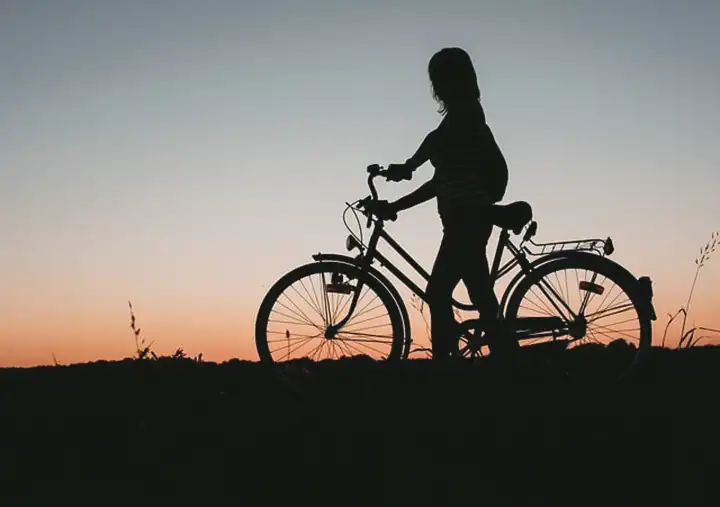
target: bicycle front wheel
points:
(299, 315)
(596, 301)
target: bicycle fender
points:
(531, 266)
(346, 259)
(577, 254)
(519, 276)
(644, 284)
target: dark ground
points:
(361, 433)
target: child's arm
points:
(424, 152)
(426, 191)
(423, 193)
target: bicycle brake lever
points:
(362, 204)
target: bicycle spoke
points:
(363, 344)
(345, 350)
(317, 310)
(563, 297)
(593, 333)
(356, 315)
(548, 308)
(591, 338)
(538, 309)
(354, 348)
(613, 300)
(293, 336)
(298, 322)
(346, 303)
(607, 294)
(307, 319)
(607, 315)
(314, 303)
(609, 312)
(334, 346)
(350, 297)
(364, 310)
(365, 320)
(621, 332)
(297, 346)
(326, 303)
(334, 303)
(345, 330)
(311, 355)
(588, 295)
(632, 319)
(388, 337)
(299, 318)
(290, 322)
(553, 297)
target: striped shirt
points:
(470, 169)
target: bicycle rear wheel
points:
(296, 317)
(597, 302)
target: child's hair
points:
(453, 78)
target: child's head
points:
(453, 78)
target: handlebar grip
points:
(374, 169)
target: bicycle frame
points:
(370, 253)
(519, 257)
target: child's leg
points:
(476, 271)
(476, 275)
(444, 278)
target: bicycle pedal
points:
(591, 287)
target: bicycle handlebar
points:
(374, 170)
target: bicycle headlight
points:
(351, 243)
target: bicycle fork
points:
(340, 287)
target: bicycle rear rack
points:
(599, 246)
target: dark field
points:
(362, 433)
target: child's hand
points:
(384, 210)
(397, 172)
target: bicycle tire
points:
(611, 271)
(353, 273)
(407, 329)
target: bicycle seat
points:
(513, 216)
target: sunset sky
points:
(185, 154)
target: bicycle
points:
(342, 280)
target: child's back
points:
(470, 170)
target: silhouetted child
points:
(470, 174)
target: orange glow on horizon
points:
(219, 336)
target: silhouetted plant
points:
(687, 338)
(419, 305)
(142, 348)
(180, 354)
